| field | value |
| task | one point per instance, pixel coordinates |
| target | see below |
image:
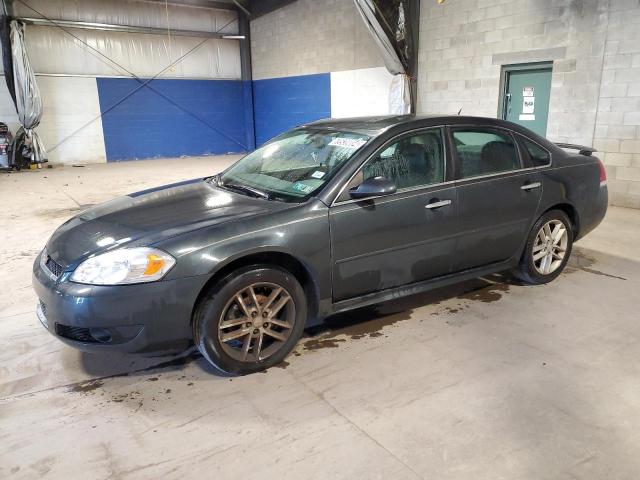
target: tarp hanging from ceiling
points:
(27, 97)
(387, 23)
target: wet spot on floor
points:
(152, 379)
(488, 294)
(598, 272)
(283, 364)
(86, 387)
(580, 260)
(318, 343)
(125, 396)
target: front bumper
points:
(148, 317)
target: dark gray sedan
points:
(327, 217)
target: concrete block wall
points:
(311, 36)
(595, 92)
(617, 132)
(463, 45)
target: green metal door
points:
(526, 97)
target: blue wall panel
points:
(282, 103)
(170, 118)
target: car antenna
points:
(460, 111)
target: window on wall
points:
(538, 156)
(413, 161)
(483, 152)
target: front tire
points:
(250, 320)
(547, 250)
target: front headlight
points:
(124, 266)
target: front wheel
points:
(251, 320)
(547, 250)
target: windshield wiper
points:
(246, 189)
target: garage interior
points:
(483, 379)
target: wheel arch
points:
(571, 212)
(276, 258)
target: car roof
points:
(376, 125)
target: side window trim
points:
(387, 144)
(489, 129)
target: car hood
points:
(150, 216)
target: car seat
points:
(498, 157)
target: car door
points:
(402, 238)
(497, 197)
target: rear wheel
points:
(547, 250)
(251, 320)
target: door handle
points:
(438, 204)
(531, 186)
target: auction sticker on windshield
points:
(352, 143)
(301, 187)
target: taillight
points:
(603, 173)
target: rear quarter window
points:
(538, 156)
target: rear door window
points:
(484, 152)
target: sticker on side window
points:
(301, 187)
(352, 143)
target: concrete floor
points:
(480, 380)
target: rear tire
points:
(547, 250)
(250, 320)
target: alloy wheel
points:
(550, 246)
(256, 322)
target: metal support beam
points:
(7, 8)
(247, 80)
(124, 28)
(220, 4)
(414, 18)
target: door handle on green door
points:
(435, 203)
(531, 185)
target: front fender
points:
(301, 233)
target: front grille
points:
(79, 334)
(54, 267)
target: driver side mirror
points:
(373, 187)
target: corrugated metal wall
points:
(198, 102)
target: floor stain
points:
(369, 322)
(86, 387)
(598, 272)
(283, 364)
(125, 396)
(579, 260)
(318, 343)
(489, 294)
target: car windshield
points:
(294, 165)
